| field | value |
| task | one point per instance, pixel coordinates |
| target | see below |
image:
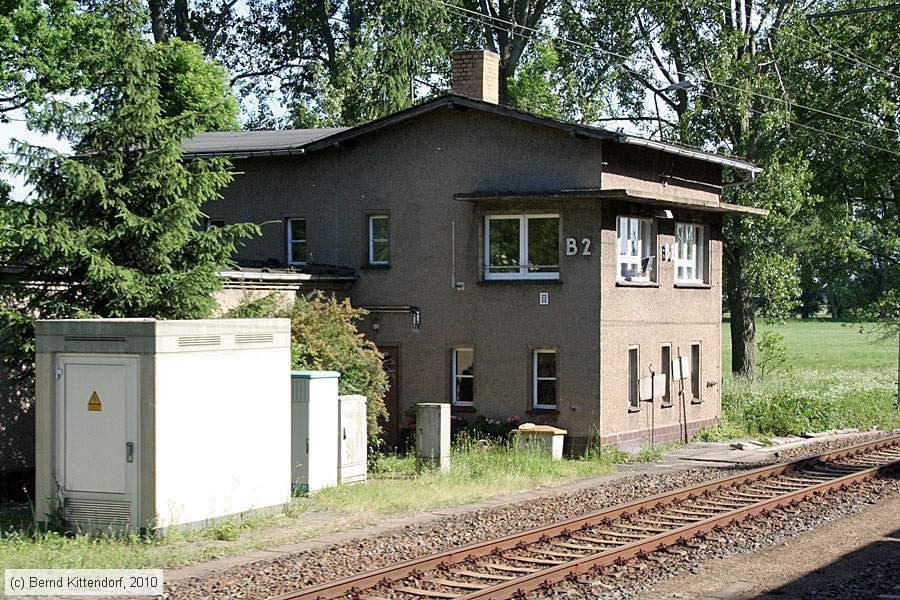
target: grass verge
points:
(479, 470)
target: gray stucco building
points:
(514, 265)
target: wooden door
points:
(391, 427)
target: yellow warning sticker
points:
(94, 404)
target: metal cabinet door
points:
(352, 430)
(97, 453)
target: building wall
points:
(16, 441)
(411, 172)
(648, 317)
(663, 174)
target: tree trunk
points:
(834, 307)
(743, 325)
(182, 21)
(158, 20)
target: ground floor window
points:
(463, 383)
(665, 369)
(695, 372)
(544, 388)
(634, 394)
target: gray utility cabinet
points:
(353, 458)
(146, 424)
(315, 444)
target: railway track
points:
(537, 558)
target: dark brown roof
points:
(302, 141)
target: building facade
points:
(513, 265)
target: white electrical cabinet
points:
(314, 430)
(145, 424)
(353, 458)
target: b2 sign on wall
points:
(572, 246)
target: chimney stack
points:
(476, 74)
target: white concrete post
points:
(432, 436)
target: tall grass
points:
(797, 402)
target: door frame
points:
(393, 424)
(132, 415)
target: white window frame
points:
(698, 251)
(522, 271)
(373, 239)
(697, 372)
(291, 241)
(638, 258)
(633, 386)
(455, 377)
(535, 379)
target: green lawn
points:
(821, 345)
(833, 375)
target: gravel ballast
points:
(265, 579)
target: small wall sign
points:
(544, 298)
(572, 246)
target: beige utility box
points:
(545, 438)
(353, 457)
(432, 436)
(145, 424)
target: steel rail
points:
(547, 576)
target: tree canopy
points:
(114, 228)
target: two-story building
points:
(513, 265)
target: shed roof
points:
(241, 143)
(613, 194)
(301, 141)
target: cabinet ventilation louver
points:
(97, 513)
(194, 341)
(254, 338)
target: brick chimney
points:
(476, 74)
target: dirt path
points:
(855, 558)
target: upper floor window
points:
(379, 240)
(690, 253)
(521, 246)
(463, 360)
(296, 243)
(544, 384)
(636, 251)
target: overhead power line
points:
(516, 26)
(852, 11)
(849, 56)
(816, 129)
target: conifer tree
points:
(114, 228)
